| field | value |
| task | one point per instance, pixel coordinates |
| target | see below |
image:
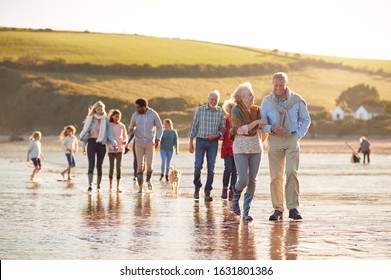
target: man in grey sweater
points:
(147, 128)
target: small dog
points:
(174, 178)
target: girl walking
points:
(115, 155)
(168, 143)
(35, 153)
(95, 134)
(70, 144)
(230, 174)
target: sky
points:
(346, 28)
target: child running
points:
(34, 152)
(115, 155)
(70, 144)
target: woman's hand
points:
(262, 123)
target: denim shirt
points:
(108, 136)
(299, 118)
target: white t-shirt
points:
(35, 149)
(70, 143)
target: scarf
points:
(282, 116)
(102, 127)
(241, 116)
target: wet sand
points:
(346, 209)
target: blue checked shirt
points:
(207, 122)
(299, 118)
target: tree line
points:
(36, 62)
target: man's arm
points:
(305, 119)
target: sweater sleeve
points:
(159, 127)
(176, 143)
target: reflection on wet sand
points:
(48, 219)
(115, 208)
(70, 184)
(238, 236)
(284, 239)
(95, 211)
(204, 230)
(142, 206)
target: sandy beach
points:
(346, 210)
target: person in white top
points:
(70, 145)
(34, 152)
(247, 147)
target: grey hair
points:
(227, 104)
(280, 76)
(241, 91)
(215, 92)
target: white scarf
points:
(283, 117)
(102, 128)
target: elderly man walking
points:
(207, 127)
(288, 122)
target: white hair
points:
(280, 76)
(242, 90)
(215, 93)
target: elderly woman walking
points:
(247, 147)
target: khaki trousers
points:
(284, 150)
(146, 151)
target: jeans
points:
(99, 150)
(71, 160)
(115, 159)
(229, 173)
(204, 146)
(166, 160)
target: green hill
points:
(49, 78)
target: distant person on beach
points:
(168, 145)
(147, 128)
(365, 148)
(35, 153)
(115, 155)
(230, 174)
(96, 133)
(208, 126)
(246, 124)
(70, 145)
(288, 122)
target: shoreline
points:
(380, 145)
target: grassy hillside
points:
(47, 99)
(105, 49)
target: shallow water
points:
(346, 209)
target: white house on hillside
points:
(365, 112)
(338, 114)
